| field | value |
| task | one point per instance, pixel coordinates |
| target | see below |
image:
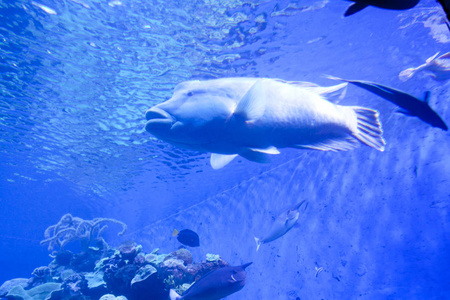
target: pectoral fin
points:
(251, 107)
(268, 150)
(259, 155)
(430, 59)
(404, 111)
(219, 161)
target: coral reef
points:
(125, 273)
(71, 228)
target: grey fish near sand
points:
(437, 66)
(283, 223)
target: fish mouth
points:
(158, 119)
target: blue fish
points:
(216, 284)
(409, 105)
(187, 237)
(386, 4)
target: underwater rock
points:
(146, 284)
(175, 269)
(154, 258)
(212, 257)
(71, 287)
(37, 293)
(41, 275)
(118, 281)
(181, 254)
(93, 285)
(64, 274)
(142, 274)
(85, 261)
(207, 266)
(8, 285)
(176, 273)
(140, 260)
(128, 252)
(173, 263)
(63, 258)
(41, 272)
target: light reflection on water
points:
(79, 75)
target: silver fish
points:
(254, 117)
(282, 224)
(438, 67)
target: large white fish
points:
(254, 117)
(281, 226)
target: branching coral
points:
(71, 228)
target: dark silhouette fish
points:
(410, 105)
(386, 4)
(216, 284)
(187, 237)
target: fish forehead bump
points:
(186, 85)
(235, 87)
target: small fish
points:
(439, 67)
(187, 237)
(409, 105)
(254, 117)
(282, 224)
(216, 284)
(386, 4)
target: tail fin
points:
(369, 128)
(258, 243)
(175, 232)
(407, 74)
(173, 295)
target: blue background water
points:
(77, 79)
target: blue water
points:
(78, 75)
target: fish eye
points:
(190, 94)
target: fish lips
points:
(158, 120)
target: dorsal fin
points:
(430, 59)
